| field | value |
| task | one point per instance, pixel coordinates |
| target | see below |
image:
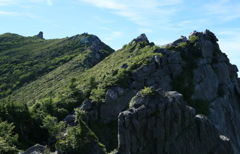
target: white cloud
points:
(141, 12)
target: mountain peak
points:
(140, 38)
(206, 35)
(40, 35)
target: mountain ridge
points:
(194, 66)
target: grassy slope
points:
(58, 80)
(26, 59)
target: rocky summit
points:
(81, 96)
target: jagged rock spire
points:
(40, 35)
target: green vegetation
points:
(182, 44)
(146, 91)
(25, 59)
(131, 102)
(51, 124)
(98, 95)
(78, 138)
(106, 132)
(8, 139)
(193, 39)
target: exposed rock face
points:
(94, 53)
(203, 72)
(37, 149)
(40, 35)
(164, 124)
(140, 38)
(180, 40)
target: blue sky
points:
(117, 22)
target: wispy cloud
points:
(99, 19)
(48, 2)
(8, 2)
(113, 35)
(22, 2)
(224, 10)
(229, 42)
(4, 13)
(57, 26)
(102, 28)
(139, 11)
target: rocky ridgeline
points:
(163, 123)
(205, 73)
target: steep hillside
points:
(25, 59)
(33, 68)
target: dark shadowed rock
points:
(40, 35)
(163, 124)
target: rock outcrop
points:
(95, 52)
(176, 42)
(40, 35)
(140, 38)
(164, 124)
(37, 149)
(207, 81)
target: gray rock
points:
(36, 149)
(69, 119)
(124, 66)
(86, 104)
(140, 38)
(111, 95)
(173, 130)
(206, 48)
(211, 36)
(206, 83)
(176, 42)
(174, 58)
(120, 91)
(144, 70)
